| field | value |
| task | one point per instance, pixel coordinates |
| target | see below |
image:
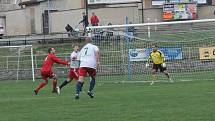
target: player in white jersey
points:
(89, 62)
(74, 67)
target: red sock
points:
(54, 84)
(41, 85)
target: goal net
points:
(16, 62)
(188, 46)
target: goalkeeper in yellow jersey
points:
(158, 60)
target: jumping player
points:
(74, 66)
(89, 62)
(46, 70)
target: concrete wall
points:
(16, 23)
(73, 4)
(206, 12)
(2, 25)
(60, 19)
(153, 15)
(116, 15)
(29, 19)
(106, 15)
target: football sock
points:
(54, 84)
(167, 75)
(64, 84)
(92, 83)
(78, 87)
(41, 85)
(82, 84)
(154, 77)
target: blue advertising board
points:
(143, 54)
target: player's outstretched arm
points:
(59, 61)
(148, 61)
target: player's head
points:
(83, 13)
(93, 13)
(76, 48)
(88, 39)
(51, 50)
(154, 48)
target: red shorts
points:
(73, 73)
(83, 71)
(47, 74)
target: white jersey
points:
(75, 63)
(88, 56)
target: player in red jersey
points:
(46, 70)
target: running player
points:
(46, 70)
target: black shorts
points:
(158, 66)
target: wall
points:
(206, 12)
(106, 15)
(16, 23)
(60, 19)
(29, 20)
(72, 4)
(153, 15)
(116, 15)
(2, 25)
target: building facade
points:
(41, 16)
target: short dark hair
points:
(49, 50)
(154, 45)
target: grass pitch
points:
(180, 101)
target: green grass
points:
(180, 101)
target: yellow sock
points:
(154, 77)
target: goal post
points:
(17, 62)
(188, 46)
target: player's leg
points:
(85, 29)
(154, 71)
(91, 87)
(54, 83)
(76, 77)
(42, 84)
(92, 74)
(67, 81)
(79, 86)
(165, 72)
(82, 73)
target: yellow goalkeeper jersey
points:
(156, 57)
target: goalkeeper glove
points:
(163, 65)
(147, 65)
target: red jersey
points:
(94, 20)
(50, 60)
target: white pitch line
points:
(185, 80)
(211, 92)
(157, 81)
(22, 99)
